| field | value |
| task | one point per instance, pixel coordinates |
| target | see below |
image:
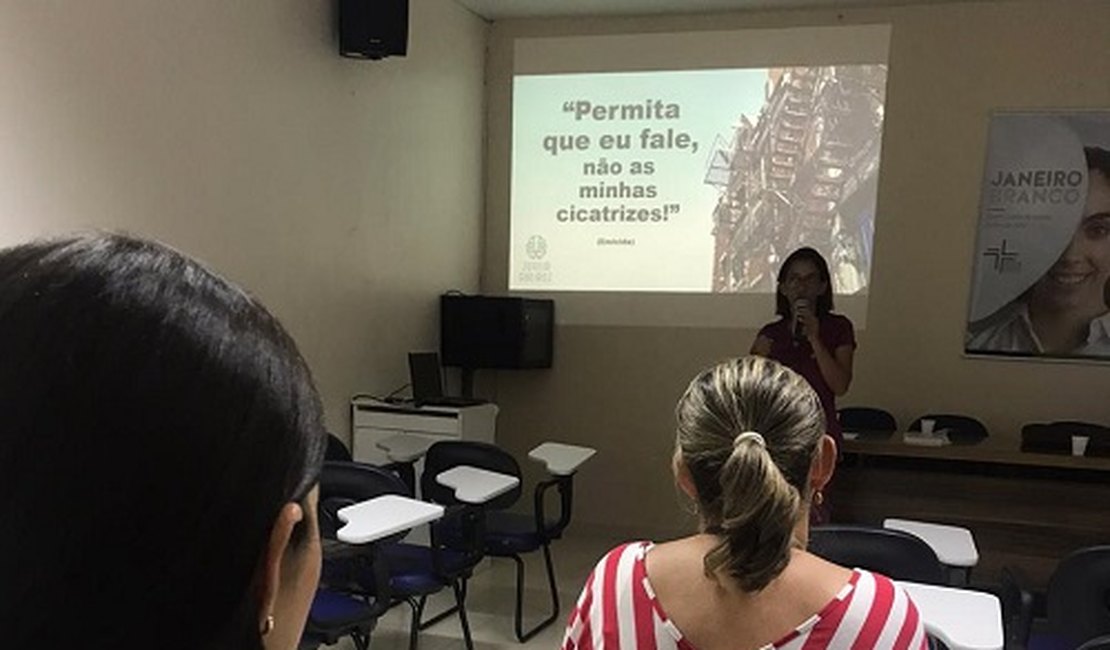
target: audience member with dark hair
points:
(160, 445)
(751, 452)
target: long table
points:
(1026, 510)
(990, 451)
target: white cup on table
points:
(1079, 445)
(927, 426)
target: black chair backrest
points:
(961, 428)
(446, 454)
(893, 553)
(1055, 437)
(865, 419)
(345, 483)
(1078, 598)
(336, 450)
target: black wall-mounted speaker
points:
(373, 29)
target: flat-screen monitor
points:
(496, 332)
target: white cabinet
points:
(373, 421)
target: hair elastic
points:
(749, 435)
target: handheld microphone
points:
(801, 306)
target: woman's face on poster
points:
(1078, 279)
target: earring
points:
(818, 497)
(267, 625)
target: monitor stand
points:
(467, 387)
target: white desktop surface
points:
(953, 545)
(561, 459)
(383, 516)
(405, 448)
(475, 485)
(962, 619)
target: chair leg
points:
(518, 620)
(362, 641)
(459, 587)
(450, 611)
(414, 626)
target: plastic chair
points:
(1078, 600)
(1017, 608)
(961, 428)
(895, 554)
(405, 572)
(865, 419)
(1055, 437)
(508, 534)
(335, 613)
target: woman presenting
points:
(809, 339)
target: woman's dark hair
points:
(807, 254)
(1098, 159)
(154, 420)
(751, 489)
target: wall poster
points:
(1041, 277)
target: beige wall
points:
(346, 194)
(950, 65)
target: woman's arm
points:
(836, 367)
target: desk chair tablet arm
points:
(1098, 643)
(562, 462)
(403, 451)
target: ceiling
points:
(500, 9)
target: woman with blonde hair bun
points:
(752, 454)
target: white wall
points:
(346, 194)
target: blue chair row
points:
(390, 571)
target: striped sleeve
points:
(617, 609)
(879, 614)
(592, 622)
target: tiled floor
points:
(490, 601)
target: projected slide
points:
(696, 181)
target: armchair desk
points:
(383, 516)
(962, 619)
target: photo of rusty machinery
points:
(803, 174)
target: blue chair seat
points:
(334, 615)
(410, 568)
(333, 608)
(1049, 641)
(510, 533)
(507, 533)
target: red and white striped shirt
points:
(618, 610)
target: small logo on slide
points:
(536, 247)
